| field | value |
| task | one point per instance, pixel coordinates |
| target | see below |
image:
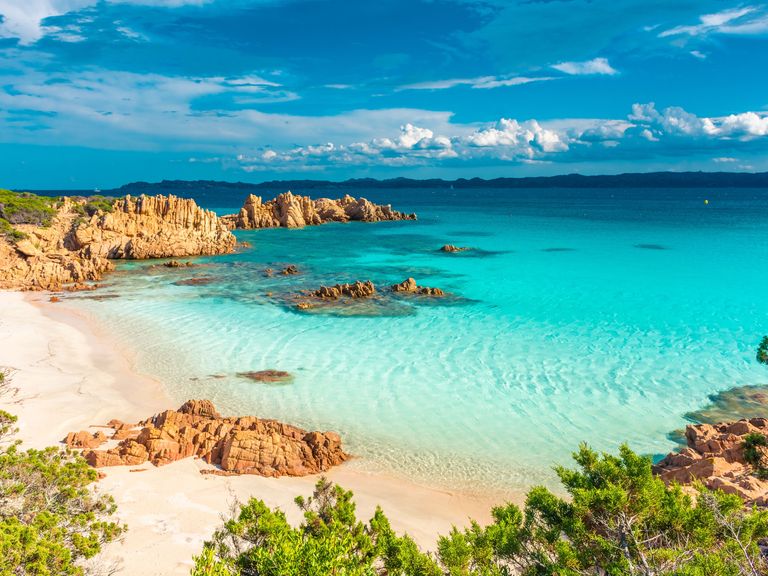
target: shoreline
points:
(71, 376)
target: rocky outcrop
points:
(153, 227)
(355, 290)
(452, 249)
(409, 286)
(85, 439)
(715, 455)
(75, 249)
(244, 445)
(288, 210)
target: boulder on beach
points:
(237, 445)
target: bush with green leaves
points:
(762, 351)
(617, 519)
(51, 519)
(24, 208)
(330, 540)
(753, 442)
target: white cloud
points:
(724, 160)
(594, 66)
(480, 82)
(676, 122)
(746, 20)
(698, 54)
(23, 19)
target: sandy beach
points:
(69, 376)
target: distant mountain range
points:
(636, 180)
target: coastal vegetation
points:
(762, 351)
(51, 520)
(24, 208)
(617, 519)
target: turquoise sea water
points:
(597, 315)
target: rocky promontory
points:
(241, 445)
(730, 456)
(49, 243)
(289, 210)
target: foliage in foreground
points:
(50, 518)
(618, 519)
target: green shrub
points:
(51, 519)
(762, 351)
(752, 453)
(27, 208)
(330, 540)
(618, 519)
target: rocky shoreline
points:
(68, 242)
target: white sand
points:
(70, 376)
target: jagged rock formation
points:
(409, 286)
(288, 210)
(715, 455)
(243, 445)
(73, 249)
(153, 227)
(356, 290)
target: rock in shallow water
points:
(409, 286)
(267, 376)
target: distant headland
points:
(628, 180)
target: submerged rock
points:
(715, 455)
(243, 445)
(177, 264)
(732, 404)
(267, 376)
(288, 210)
(409, 286)
(197, 281)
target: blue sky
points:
(95, 93)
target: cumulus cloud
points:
(588, 67)
(676, 122)
(645, 131)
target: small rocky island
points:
(289, 210)
(240, 445)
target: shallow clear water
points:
(597, 315)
